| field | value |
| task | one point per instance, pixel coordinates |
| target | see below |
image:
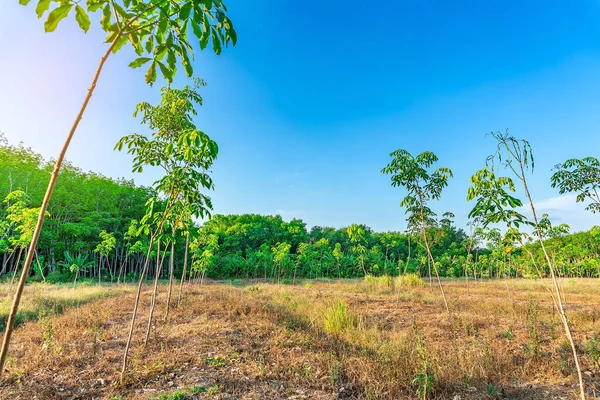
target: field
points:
(368, 339)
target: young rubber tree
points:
(281, 255)
(422, 185)
(104, 248)
(160, 32)
(21, 220)
(516, 155)
(185, 155)
(357, 235)
(581, 176)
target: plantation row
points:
(91, 231)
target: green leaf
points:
(216, 42)
(120, 43)
(185, 11)
(167, 73)
(42, 7)
(82, 18)
(197, 30)
(57, 15)
(151, 74)
(105, 20)
(94, 7)
(24, 2)
(150, 44)
(139, 62)
(185, 61)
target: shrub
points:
(412, 280)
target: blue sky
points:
(310, 103)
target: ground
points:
(368, 339)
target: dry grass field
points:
(319, 340)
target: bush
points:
(57, 276)
(412, 280)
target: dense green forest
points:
(91, 232)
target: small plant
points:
(213, 390)
(425, 378)
(508, 334)
(337, 318)
(216, 361)
(592, 349)
(493, 392)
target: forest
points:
(92, 222)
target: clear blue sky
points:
(315, 96)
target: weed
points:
(492, 391)
(213, 390)
(216, 361)
(337, 318)
(592, 349)
(508, 334)
(425, 378)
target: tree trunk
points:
(185, 261)
(16, 264)
(171, 267)
(159, 263)
(135, 307)
(559, 304)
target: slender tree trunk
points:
(559, 303)
(135, 307)
(159, 263)
(16, 263)
(171, 267)
(44, 207)
(437, 274)
(40, 267)
(185, 261)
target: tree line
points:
(91, 233)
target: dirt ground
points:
(318, 340)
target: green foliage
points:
(183, 152)
(581, 176)
(161, 32)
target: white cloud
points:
(565, 210)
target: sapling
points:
(422, 186)
(516, 155)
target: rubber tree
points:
(422, 185)
(581, 176)
(516, 156)
(160, 32)
(357, 235)
(185, 155)
(104, 248)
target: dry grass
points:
(43, 300)
(273, 341)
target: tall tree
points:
(185, 155)
(422, 186)
(517, 156)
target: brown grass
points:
(274, 341)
